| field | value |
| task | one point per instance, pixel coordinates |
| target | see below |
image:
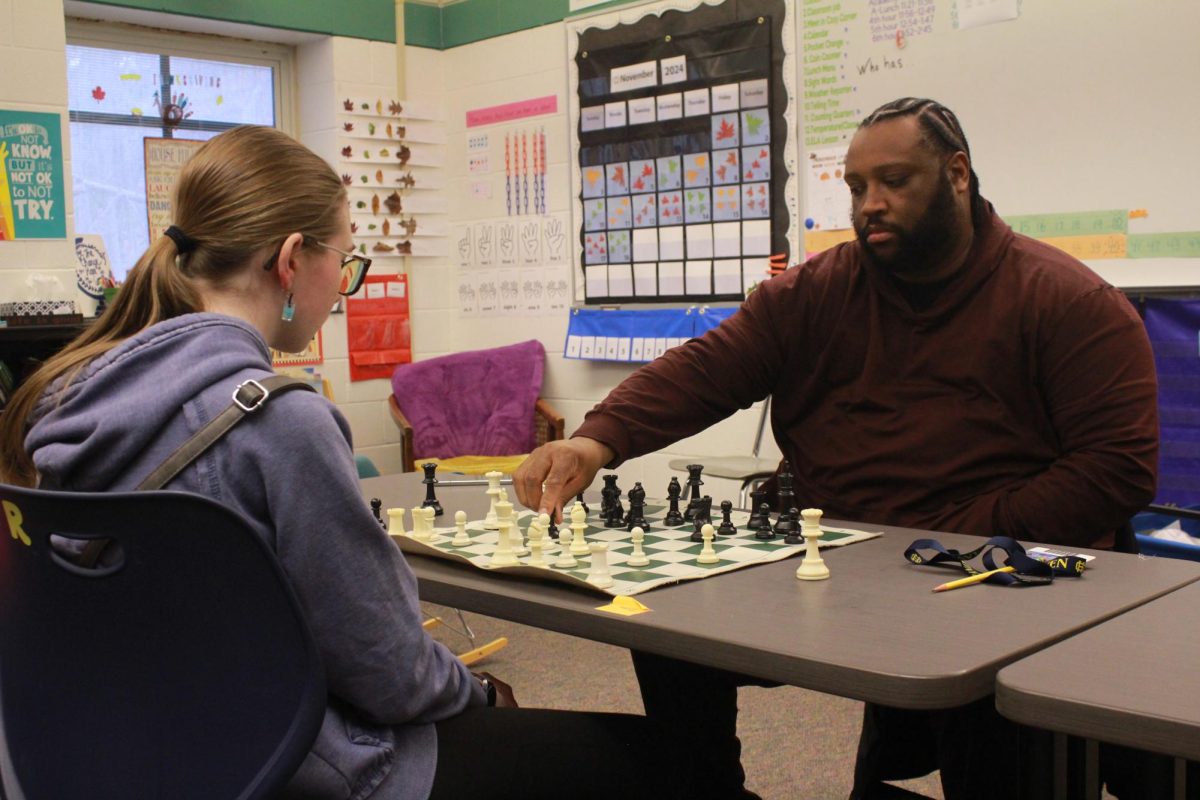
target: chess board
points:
(671, 551)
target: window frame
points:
(211, 47)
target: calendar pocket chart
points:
(668, 136)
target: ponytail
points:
(228, 205)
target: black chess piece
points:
(787, 497)
(704, 509)
(794, 535)
(673, 519)
(616, 515)
(552, 531)
(694, 483)
(758, 501)
(579, 498)
(637, 508)
(431, 500)
(608, 494)
(376, 508)
(764, 530)
(727, 527)
(697, 528)
(787, 525)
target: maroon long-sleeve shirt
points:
(1021, 402)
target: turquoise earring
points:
(289, 309)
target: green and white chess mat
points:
(671, 551)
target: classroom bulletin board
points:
(683, 132)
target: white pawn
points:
(708, 555)
(638, 557)
(504, 557)
(493, 491)
(565, 560)
(537, 539)
(396, 522)
(812, 568)
(579, 546)
(461, 539)
(599, 575)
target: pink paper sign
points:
(510, 111)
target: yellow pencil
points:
(945, 587)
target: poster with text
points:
(164, 159)
(32, 204)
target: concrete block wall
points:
(329, 69)
(524, 65)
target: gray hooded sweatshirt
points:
(290, 470)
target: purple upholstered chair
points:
(472, 404)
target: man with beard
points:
(941, 372)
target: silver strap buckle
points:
(255, 401)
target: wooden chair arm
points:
(406, 435)
(551, 419)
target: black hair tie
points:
(183, 243)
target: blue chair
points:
(1159, 516)
(181, 667)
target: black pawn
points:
(727, 527)
(431, 500)
(376, 509)
(579, 497)
(758, 501)
(673, 519)
(764, 530)
(697, 528)
(552, 532)
(794, 535)
(787, 525)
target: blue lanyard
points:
(1026, 570)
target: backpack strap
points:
(249, 397)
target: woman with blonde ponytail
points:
(258, 253)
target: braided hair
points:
(941, 133)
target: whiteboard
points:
(1074, 106)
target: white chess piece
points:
(565, 560)
(543, 522)
(504, 557)
(598, 574)
(396, 522)
(812, 568)
(638, 557)
(427, 515)
(461, 539)
(537, 538)
(418, 524)
(708, 555)
(579, 546)
(493, 492)
(504, 514)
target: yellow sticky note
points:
(624, 605)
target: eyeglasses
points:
(354, 267)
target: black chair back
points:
(181, 669)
